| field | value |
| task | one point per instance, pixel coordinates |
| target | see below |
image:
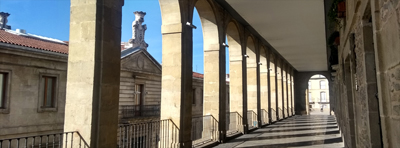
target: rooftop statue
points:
(138, 31)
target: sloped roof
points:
(198, 75)
(130, 51)
(32, 41)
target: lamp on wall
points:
(259, 63)
(247, 56)
(191, 25)
(226, 45)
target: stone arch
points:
(170, 12)
(233, 36)
(264, 88)
(300, 87)
(251, 70)
(214, 64)
(273, 94)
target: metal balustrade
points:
(273, 115)
(264, 117)
(204, 130)
(134, 111)
(57, 140)
(280, 113)
(252, 119)
(161, 134)
(234, 123)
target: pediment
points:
(140, 62)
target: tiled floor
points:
(314, 131)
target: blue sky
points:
(50, 18)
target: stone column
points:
(93, 71)
(258, 102)
(264, 102)
(284, 91)
(292, 88)
(252, 86)
(177, 57)
(287, 90)
(215, 85)
(269, 90)
(277, 94)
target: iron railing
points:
(264, 117)
(133, 111)
(252, 119)
(280, 113)
(273, 114)
(234, 123)
(204, 130)
(57, 140)
(161, 134)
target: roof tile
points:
(6, 37)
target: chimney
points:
(22, 31)
(3, 20)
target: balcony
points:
(138, 111)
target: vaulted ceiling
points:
(295, 28)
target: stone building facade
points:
(318, 93)
(366, 82)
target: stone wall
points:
(369, 43)
(25, 115)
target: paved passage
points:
(314, 131)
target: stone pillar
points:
(237, 86)
(287, 91)
(269, 90)
(277, 94)
(215, 85)
(258, 102)
(177, 57)
(284, 91)
(279, 89)
(93, 71)
(292, 89)
(263, 82)
(251, 85)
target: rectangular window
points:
(309, 97)
(3, 89)
(322, 84)
(194, 96)
(138, 107)
(323, 97)
(309, 85)
(49, 91)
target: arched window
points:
(323, 96)
(309, 85)
(309, 97)
(322, 84)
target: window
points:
(48, 97)
(4, 90)
(323, 97)
(322, 84)
(48, 92)
(309, 85)
(194, 96)
(138, 98)
(309, 97)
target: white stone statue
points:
(138, 31)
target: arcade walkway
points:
(316, 131)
